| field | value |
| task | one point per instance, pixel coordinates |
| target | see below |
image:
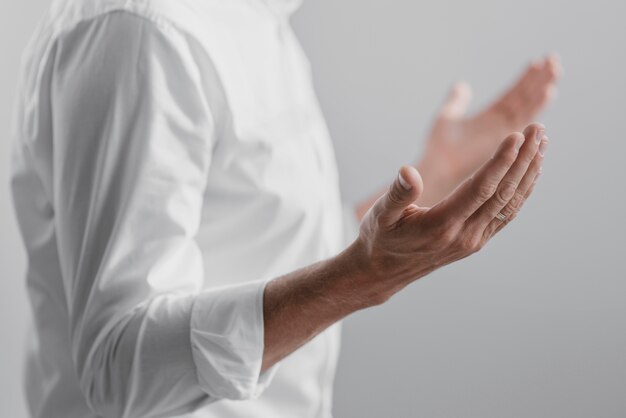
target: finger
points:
(521, 86)
(510, 211)
(513, 102)
(554, 66)
(498, 226)
(507, 191)
(545, 83)
(474, 192)
(528, 101)
(543, 88)
(533, 91)
(405, 190)
(458, 101)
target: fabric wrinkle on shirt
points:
(170, 157)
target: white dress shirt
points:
(170, 158)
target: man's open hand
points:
(400, 242)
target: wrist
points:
(362, 283)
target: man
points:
(177, 194)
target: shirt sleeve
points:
(133, 139)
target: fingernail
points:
(405, 184)
(543, 146)
(539, 135)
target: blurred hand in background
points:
(458, 144)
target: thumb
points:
(405, 190)
(458, 101)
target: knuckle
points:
(529, 158)
(394, 196)
(470, 243)
(446, 237)
(510, 157)
(447, 226)
(516, 201)
(485, 190)
(535, 166)
(377, 210)
(515, 137)
(511, 146)
(381, 221)
(506, 191)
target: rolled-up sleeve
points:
(228, 351)
(133, 140)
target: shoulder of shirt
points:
(167, 15)
(173, 17)
(176, 18)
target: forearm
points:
(398, 243)
(302, 304)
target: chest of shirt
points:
(271, 138)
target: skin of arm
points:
(400, 242)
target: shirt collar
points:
(284, 7)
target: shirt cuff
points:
(227, 341)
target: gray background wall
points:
(535, 324)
